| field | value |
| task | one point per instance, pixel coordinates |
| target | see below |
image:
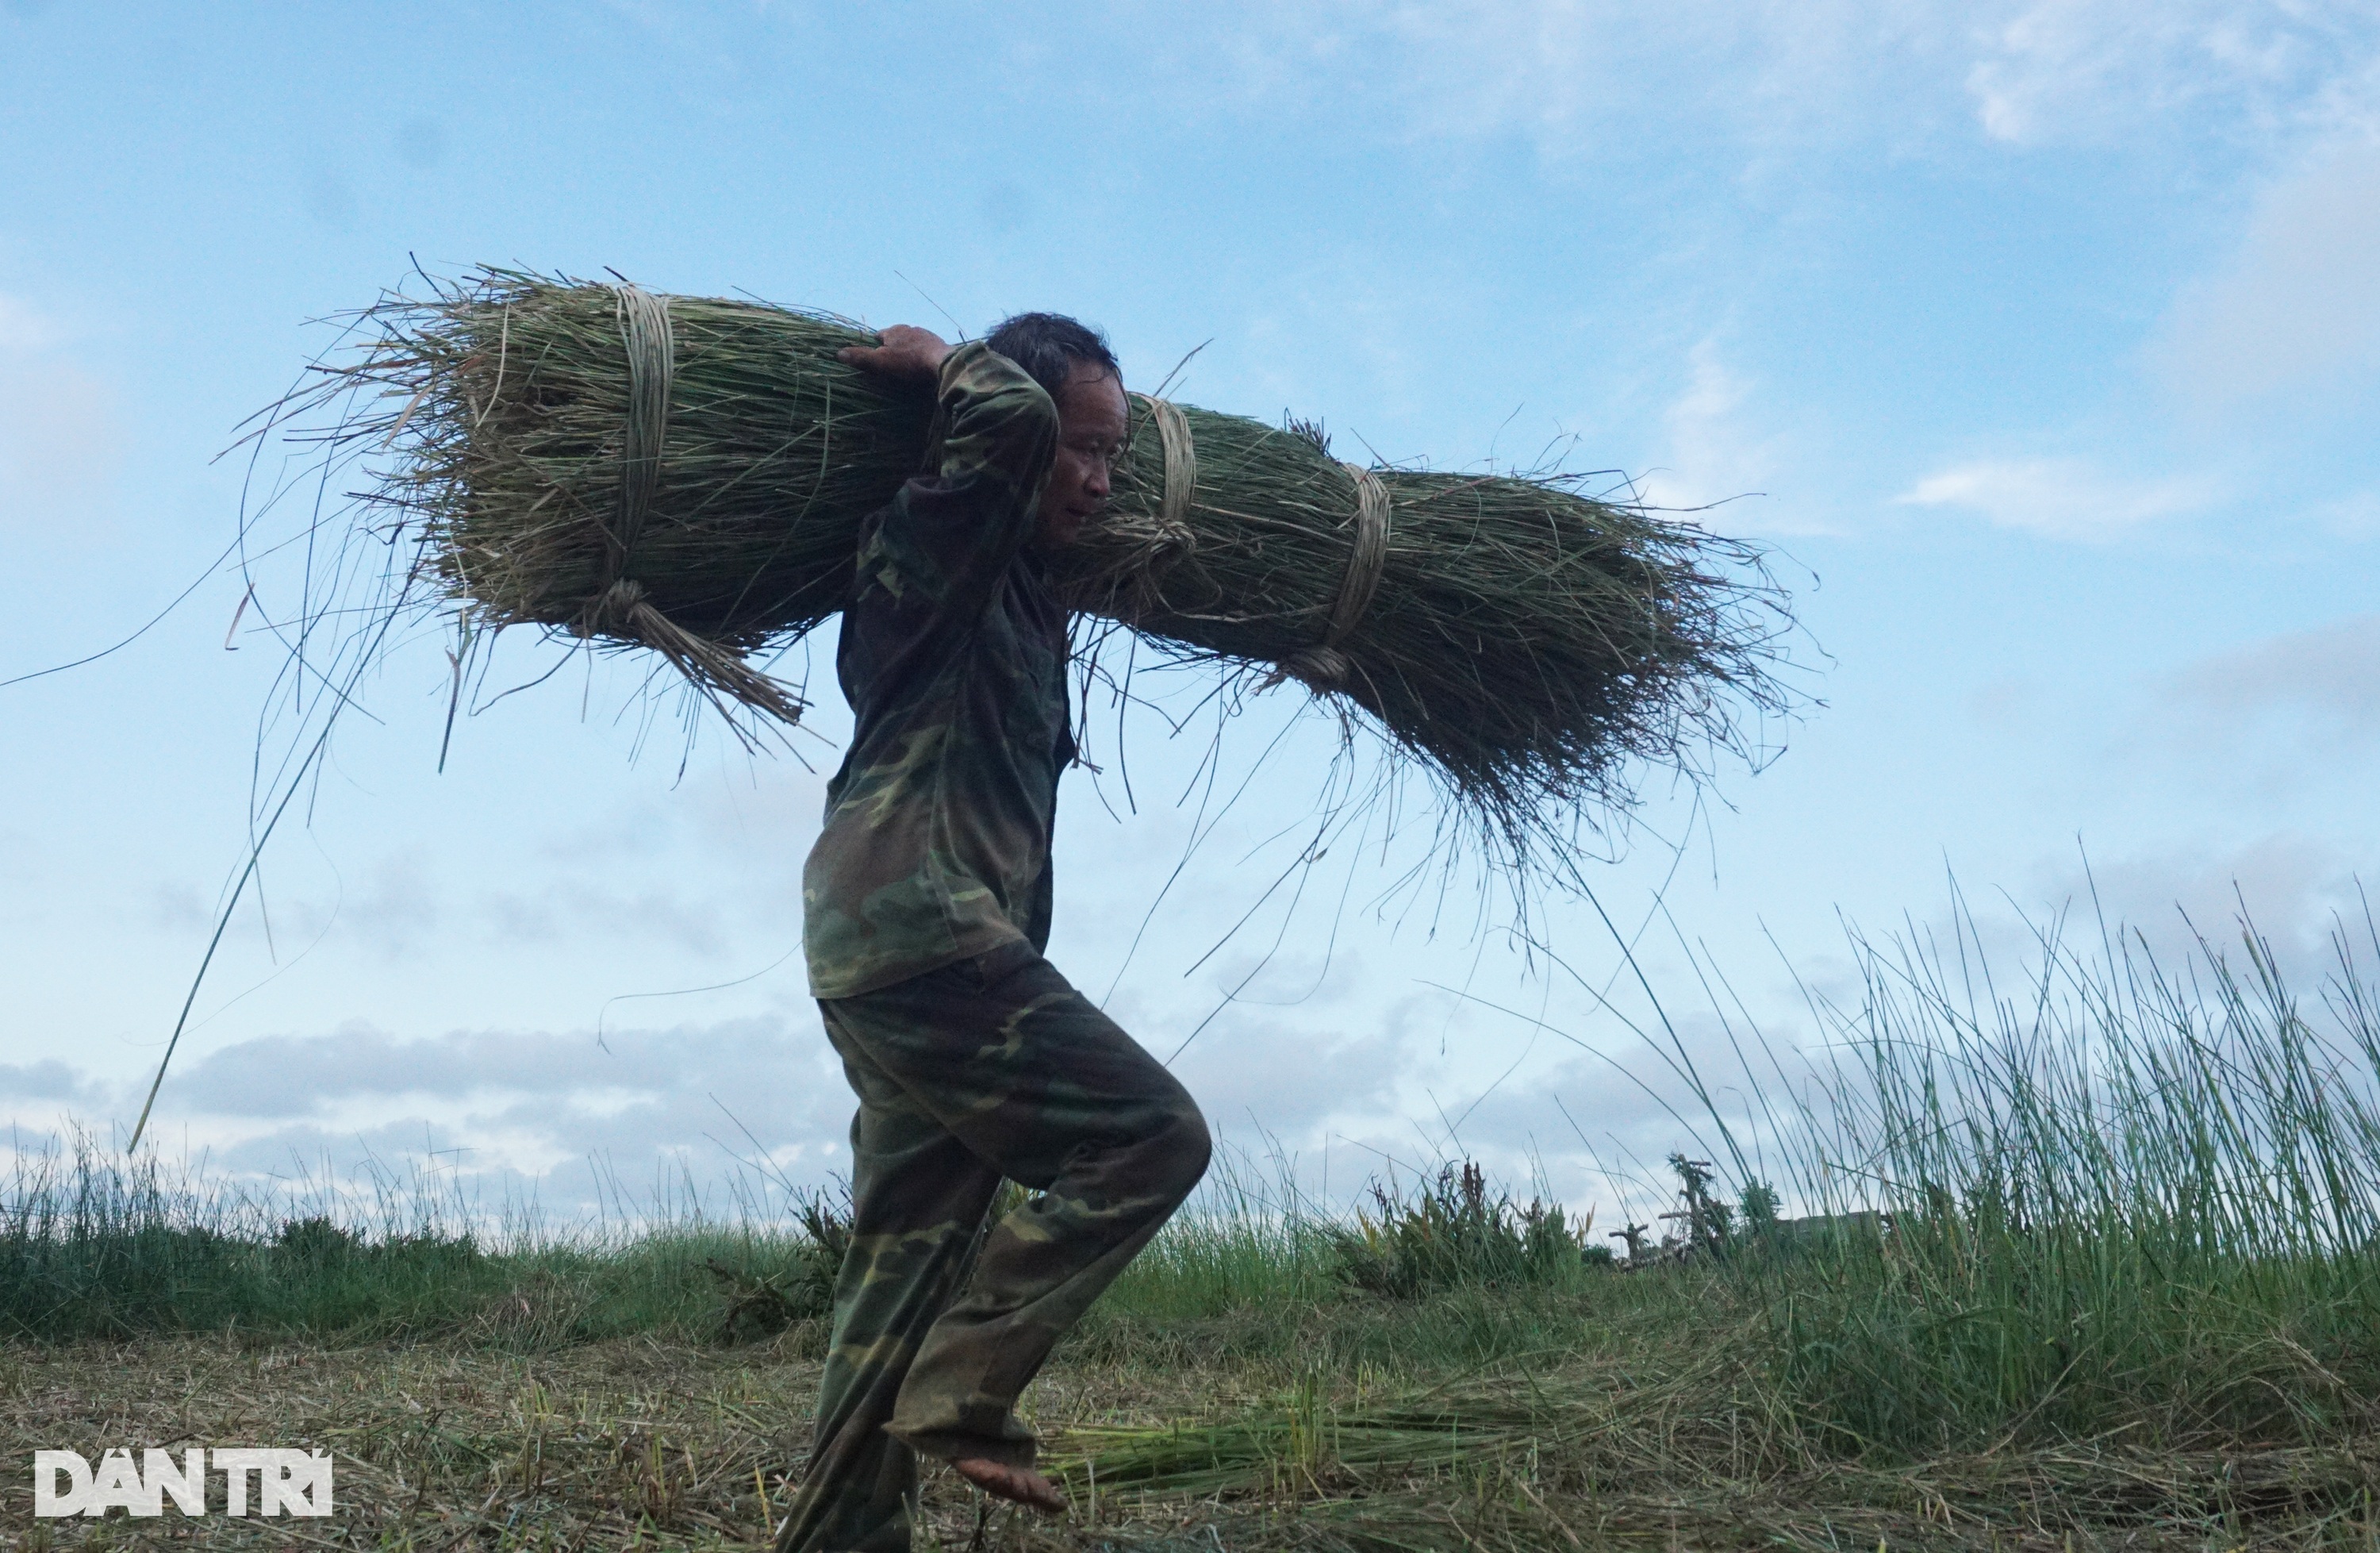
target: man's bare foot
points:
(1021, 1483)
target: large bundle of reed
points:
(686, 474)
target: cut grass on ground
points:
(1256, 1437)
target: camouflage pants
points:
(991, 1066)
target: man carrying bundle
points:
(925, 911)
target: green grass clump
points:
(2121, 1197)
(1451, 1233)
(1245, 1244)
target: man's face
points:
(1091, 424)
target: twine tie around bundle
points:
(620, 606)
(652, 370)
(1325, 665)
(1181, 472)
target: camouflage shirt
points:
(954, 659)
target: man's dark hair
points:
(1046, 345)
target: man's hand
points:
(908, 353)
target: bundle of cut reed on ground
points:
(686, 474)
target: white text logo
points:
(255, 1481)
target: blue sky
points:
(2042, 339)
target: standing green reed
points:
(2111, 1219)
(2124, 1194)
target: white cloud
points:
(2298, 306)
(2355, 515)
(48, 1080)
(510, 1110)
(1714, 452)
(400, 909)
(2101, 69)
(1286, 1080)
(2062, 498)
(24, 328)
(2293, 889)
(59, 440)
(507, 1116)
(2330, 674)
(1573, 75)
(1580, 76)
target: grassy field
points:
(2127, 1294)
